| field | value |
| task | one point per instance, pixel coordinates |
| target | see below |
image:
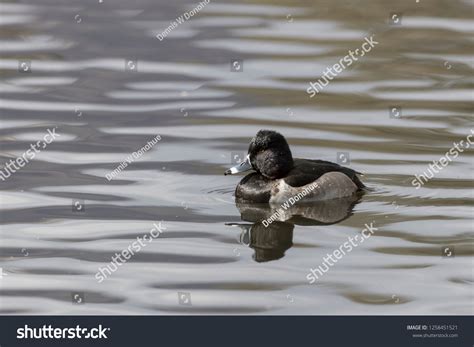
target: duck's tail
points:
(358, 182)
(353, 176)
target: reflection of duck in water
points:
(271, 240)
(269, 243)
(279, 177)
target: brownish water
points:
(184, 90)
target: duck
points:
(278, 178)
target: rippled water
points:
(62, 219)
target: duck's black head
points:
(268, 154)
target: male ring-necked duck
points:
(279, 177)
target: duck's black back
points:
(306, 171)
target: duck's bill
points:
(242, 167)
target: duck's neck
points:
(281, 165)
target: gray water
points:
(62, 219)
